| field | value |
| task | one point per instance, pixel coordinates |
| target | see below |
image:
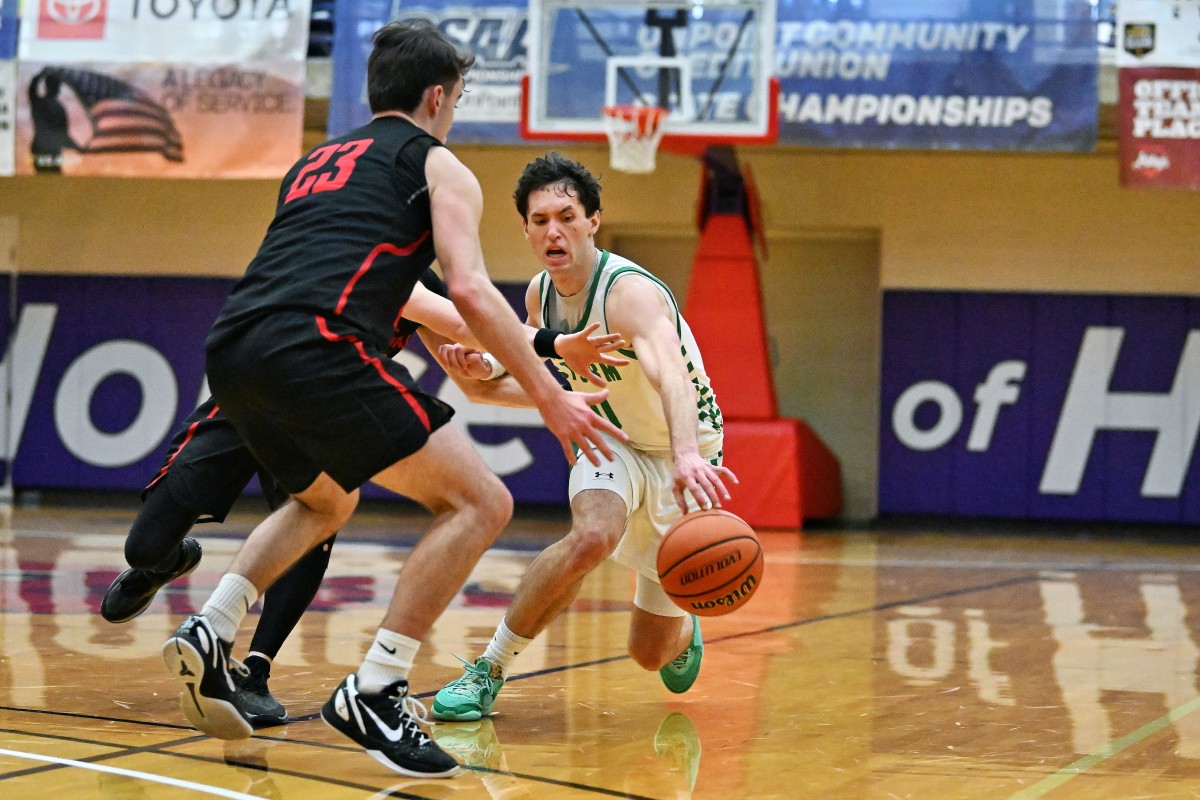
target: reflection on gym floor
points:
(870, 664)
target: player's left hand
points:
(586, 347)
(704, 481)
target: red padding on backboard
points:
(725, 311)
(786, 473)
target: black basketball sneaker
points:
(386, 724)
(200, 661)
(134, 589)
(253, 697)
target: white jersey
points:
(633, 405)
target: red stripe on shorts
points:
(190, 433)
(367, 263)
(329, 335)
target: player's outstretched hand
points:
(586, 347)
(572, 422)
(465, 361)
(705, 481)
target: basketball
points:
(710, 562)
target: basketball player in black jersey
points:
(298, 361)
(208, 466)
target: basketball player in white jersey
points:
(662, 400)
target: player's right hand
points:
(464, 361)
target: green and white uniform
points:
(642, 474)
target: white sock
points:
(390, 658)
(504, 647)
(229, 604)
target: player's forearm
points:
(503, 391)
(496, 326)
(678, 397)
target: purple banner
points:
(104, 369)
(1041, 406)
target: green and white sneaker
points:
(472, 696)
(681, 673)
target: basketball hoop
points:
(633, 135)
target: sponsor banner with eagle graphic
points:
(161, 88)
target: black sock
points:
(284, 603)
(258, 665)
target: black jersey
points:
(351, 235)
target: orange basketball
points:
(710, 562)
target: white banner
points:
(169, 31)
(1158, 33)
(8, 114)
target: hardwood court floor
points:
(880, 664)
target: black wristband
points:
(543, 342)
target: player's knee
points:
(491, 502)
(330, 501)
(342, 508)
(588, 547)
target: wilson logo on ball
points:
(731, 600)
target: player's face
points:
(444, 119)
(559, 231)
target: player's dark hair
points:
(554, 169)
(408, 57)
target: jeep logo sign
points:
(1044, 406)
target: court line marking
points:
(1082, 765)
(965, 590)
(129, 773)
(917, 563)
(162, 749)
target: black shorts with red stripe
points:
(307, 397)
(208, 466)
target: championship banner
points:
(1158, 105)
(909, 73)
(1087, 407)
(494, 30)
(989, 75)
(160, 88)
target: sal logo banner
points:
(493, 30)
(1158, 104)
(161, 89)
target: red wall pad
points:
(724, 309)
(787, 473)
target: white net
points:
(633, 136)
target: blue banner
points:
(105, 368)
(494, 30)
(984, 75)
(1041, 406)
(8, 29)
